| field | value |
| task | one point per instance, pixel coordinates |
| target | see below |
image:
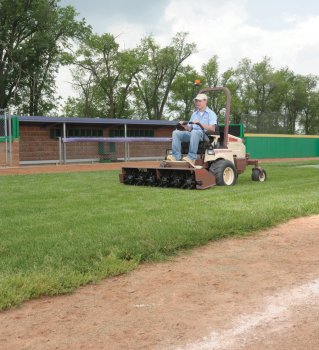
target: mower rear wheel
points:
(225, 172)
(258, 175)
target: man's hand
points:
(204, 127)
(197, 122)
(182, 126)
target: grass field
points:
(61, 231)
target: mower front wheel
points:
(225, 172)
(259, 175)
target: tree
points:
(33, 35)
(298, 102)
(210, 71)
(183, 91)
(230, 80)
(256, 86)
(310, 118)
(160, 67)
(107, 75)
(86, 105)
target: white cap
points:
(201, 97)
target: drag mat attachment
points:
(186, 178)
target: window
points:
(55, 133)
(76, 132)
(132, 133)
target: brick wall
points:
(5, 159)
(3, 154)
(36, 144)
(15, 152)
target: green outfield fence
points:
(282, 146)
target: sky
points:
(286, 31)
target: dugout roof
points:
(95, 121)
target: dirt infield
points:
(260, 292)
(68, 168)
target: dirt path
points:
(41, 169)
(260, 292)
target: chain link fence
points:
(267, 123)
(5, 139)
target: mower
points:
(220, 159)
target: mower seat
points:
(211, 140)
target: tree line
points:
(150, 81)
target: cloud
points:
(108, 16)
(128, 35)
(224, 29)
(289, 18)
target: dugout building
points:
(37, 139)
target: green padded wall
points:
(282, 146)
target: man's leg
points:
(178, 138)
(195, 137)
